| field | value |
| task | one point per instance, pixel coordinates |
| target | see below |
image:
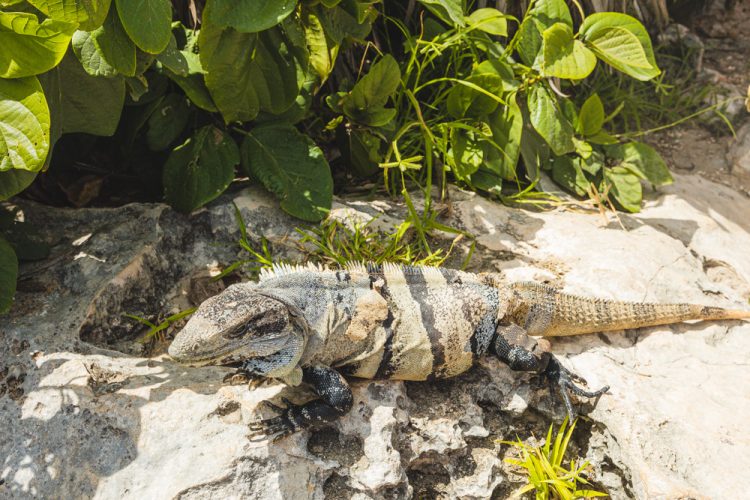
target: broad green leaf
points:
(291, 166)
(362, 149)
(487, 180)
(200, 169)
(339, 24)
(174, 59)
(227, 56)
(167, 121)
(115, 45)
(602, 137)
(643, 159)
(87, 14)
(467, 153)
(323, 50)
(147, 22)
(549, 121)
(464, 100)
(567, 172)
(583, 148)
(195, 88)
(89, 104)
(489, 20)
(591, 117)
(248, 72)
(372, 91)
(24, 125)
(8, 275)
(542, 15)
(563, 56)
(593, 164)
(250, 16)
(622, 42)
(535, 151)
(88, 54)
(14, 181)
(30, 47)
(448, 11)
(626, 188)
(506, 124)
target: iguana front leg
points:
(335, 401)
(520, 352)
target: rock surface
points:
(89, 412)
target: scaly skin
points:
(312, 325)
(545, 312)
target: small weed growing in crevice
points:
(543, 465)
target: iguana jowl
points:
(312, 325)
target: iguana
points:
(314, 325)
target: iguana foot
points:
(562, 378)
(242, 377)
(335, 401)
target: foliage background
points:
(302, 96)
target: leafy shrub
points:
(283, 90)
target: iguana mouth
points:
(222, 356)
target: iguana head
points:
(238, 324)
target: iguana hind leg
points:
(520, 352)
(335, 401)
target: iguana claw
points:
(277, 427)
(241, 377)
(561, 377)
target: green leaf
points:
(90, 57)
(200, 169)
(14, 181)
(372, 91)
(339, 24)
(643, 159)
(467, 153)
(448, 11)
(174, 59)
(506, 124)
(563, 56)
(195, 88)
(291, 166)
(147, 22)
(248, 72)
(622, 42)
(362, 148)
(323, 49)
(567, 172)
(8, 275)
(464, 100)
(591, 117)
(167, 121)
(87, 14)
(542, 15)
(89, 104)
(227, 57)
(250, 16)
(30, 47)
(549, 121)
(626, 188)
(487, 180)
(489, 20)
(114, 44)
(24, 124)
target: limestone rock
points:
(90, 412)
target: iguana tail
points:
(544, 311)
